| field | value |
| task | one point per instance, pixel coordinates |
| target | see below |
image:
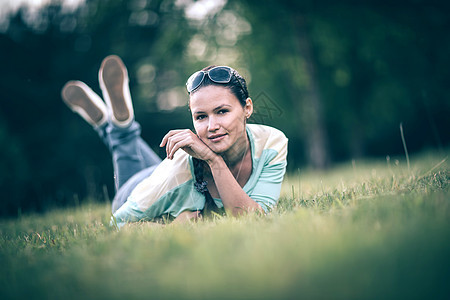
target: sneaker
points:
(113, 78)
(82, 100)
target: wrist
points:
(214, 160)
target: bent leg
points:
(130, 153)
(125, 190)
(114, 122)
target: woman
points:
(227, 165)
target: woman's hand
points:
(187, 216)
(187, 141)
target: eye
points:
(200, 117)
(222, 111)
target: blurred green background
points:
(338, 77)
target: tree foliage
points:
(336, 77)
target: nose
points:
(213, 125)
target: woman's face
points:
(219, 118)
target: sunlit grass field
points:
(362, 230)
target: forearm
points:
(234, 199)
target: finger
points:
(168, 135)
(193, 146)
(198, 214)
(172, 140)
(180, 141)
(181, 144)
(165, 138)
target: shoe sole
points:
(79, 101)
(113, 77)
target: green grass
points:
(367, 230)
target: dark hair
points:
(201, 186)
(237, 85)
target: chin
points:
(219, 149)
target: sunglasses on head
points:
(221, 74)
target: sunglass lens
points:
(194, 81)
(220, 74)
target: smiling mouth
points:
(216, 138)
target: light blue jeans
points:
(133, 160)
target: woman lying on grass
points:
(226, 166)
